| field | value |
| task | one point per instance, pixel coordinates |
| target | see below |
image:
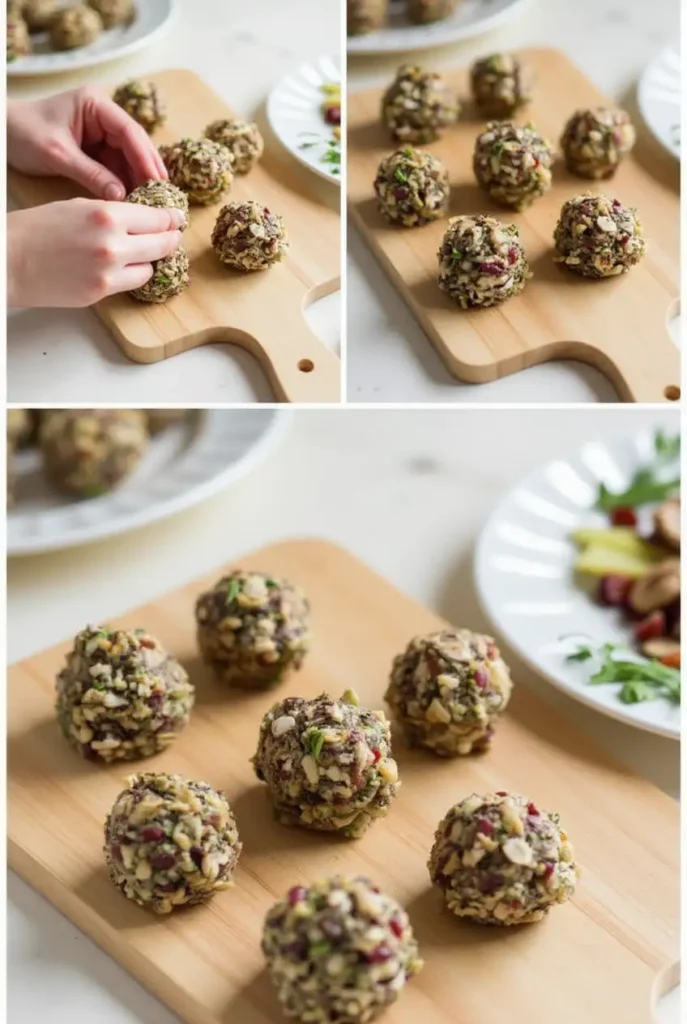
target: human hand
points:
(82, 135)
(77, 252)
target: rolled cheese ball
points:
(418, 105)
(327, 763)
(339, 950)
(121, 696)
(201, 167)
(75, 27)
(160, 419)
(422, 12)
(170, 277)
(595, 141)
(142, 101)
(447, 690)
(248, 236)
(87, 452)
(363, 16)
(412, 187)
(500, 860)
(598, 237)
(500, 84)
(38, 14)
(170, 842)
(114, 12)
(161, 194)
(481, 262)
(253, 629)
(18, 39)
(241, 138)
(512, 164)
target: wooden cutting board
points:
(262, 312)
(617, 325)
(594, 960)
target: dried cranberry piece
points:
(161, 861)
(493, 269)
(549, 870)
(613, 590)
(196, 854)
(400, 192)
(490, 883)
(531, 809)
(376, 754)
(296, 894)
(624, 516)
(396, 927)
(152, 834)
(116, 851)
(379, 955)
(513, 255)
(484, 826)
(482, 678)
(501, 792)
(652, 626)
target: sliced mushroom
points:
(667, 523)
(660, 647)
(659, 587)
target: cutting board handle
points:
(300, 367)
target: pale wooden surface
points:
(263, 311)
(617, 325)
(595, 960)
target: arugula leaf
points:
(233, 590)
(315, 740)
(644, 489)
(667, 448)
(642, 680)
(581, 654)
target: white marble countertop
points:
(389, 357)
(241, 51)
(402, 492)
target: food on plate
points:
(248, 236)
(500, 860)
(39, 13)
(331, 106)
(241, 138)
(253, 629)
(160, 419)
(598, 237)
(18, 38)
(339, 950)
(114, 12)
(512, 164)
(447, 690)
(143, 102)
(163, 194)
(121, 696)
(329, 145)
(412, 187)
(418, 105)
(481, 261)
(87, 452)
(363, 16)
(595, 141)
(21, 427)
(170, 277)
(201, 167)
(614, 549)
(327, 763)
(74, 27)
(500, 84)
(422, 12)
(170, 842)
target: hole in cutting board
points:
(306, 365)
(672, 393)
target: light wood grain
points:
(263, 311)
(617, 325)
(595, 960)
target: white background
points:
(389, 357)
(408, 492)
(241, 50)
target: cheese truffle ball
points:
(241, 138)
(114, 12)
(365, 16)
(598, 237)
(500, 860)
(142, 101)
(162, 194)
(18, 39)
(500, 84)
(121, 696)
(38, 14)
(418, 105)
(160, 419)
(202, 168)
(447, 689)
(339, 950)
(170, 277)
(75, 27)
(481, 262)
(87, 452)
(412, 187)
(248, 236)
(327, 763)
(253, 629)
(595, 141)
(170, 842)
(422, 12)
(512, 164)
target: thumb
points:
(100, 181)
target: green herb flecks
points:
(401, 176)
(319, 949)
(315, 741)
(456, 254)
(233, 590)
(640, 680)
(667, 448)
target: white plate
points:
(658, 97)
(185, 464)
(525, 582)
(153, 18)
(295, 116)
(470, 19)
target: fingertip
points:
(114, 193)
(179, 218)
